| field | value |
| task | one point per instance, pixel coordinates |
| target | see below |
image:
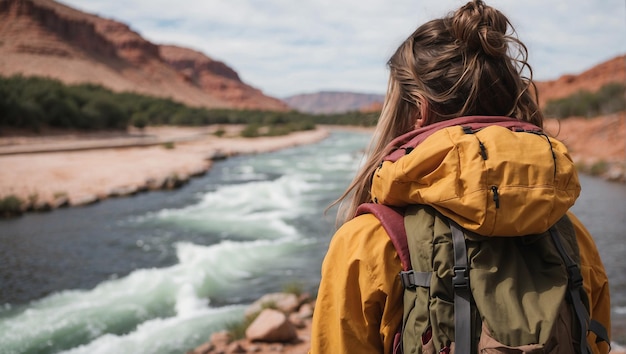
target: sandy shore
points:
(84, 168)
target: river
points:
(158, 272)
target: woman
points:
(463, 69)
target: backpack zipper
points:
(496, 196)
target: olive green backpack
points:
(466, 293)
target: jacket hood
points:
(495, 176)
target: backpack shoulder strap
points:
(575, 283)
(392, 220)
(462, 293)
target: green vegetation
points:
(34, 103)
(237, 330)
(33, 198)
(169, 145)
(10, 206)
(597, 168)
(60, 194)
(609, 99)
(219, 132)
(251, 131)
(295, 287)
(354, 118)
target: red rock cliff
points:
(45, 38)
(218, 78)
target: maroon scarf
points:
(413, 138)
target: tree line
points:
(35, 102)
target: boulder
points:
(205, 348)
(221, 338)
(235, 348)
(306, 311)
(296, 320)
(284, 302)
(271, 326)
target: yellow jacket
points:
(359, 304)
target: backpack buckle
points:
(408, 280)
(411, 279)
(575, 277)
(461, 277)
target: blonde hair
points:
(467, 63)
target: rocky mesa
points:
(217, 78)
(46, 38)
(592, 79)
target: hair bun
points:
(479, 27)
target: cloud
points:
(288, 47)
(569, 36)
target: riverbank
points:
(58, 169)
(51, 171)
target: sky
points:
(288, 47)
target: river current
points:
(159, 272)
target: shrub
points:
(10, 206)
(219, 132)
(598, 168)
(33, 198)
(612, 97)
(295, 287)
(104, 113)
(305, 125)
(60, 194)
(609, 99)
(237, 330)
(139, 120)
(277, 130)
(250, 131)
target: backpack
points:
(466, 293)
